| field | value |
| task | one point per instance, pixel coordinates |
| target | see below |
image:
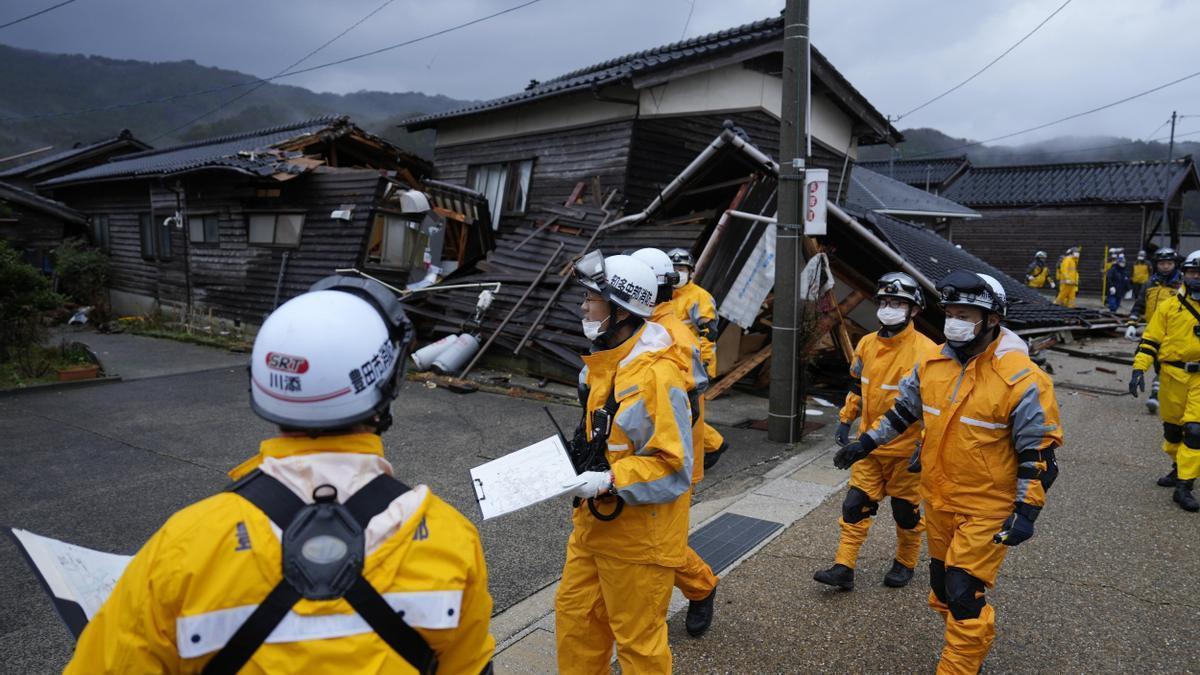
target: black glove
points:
(842, 435)
(1019, 525)
(853, 452)
(1137, 381)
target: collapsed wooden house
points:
(237, 224)
(35, 225)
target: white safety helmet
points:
(971, 288)
(664, 270)
(622, 280)
(681, 256)
(332, 357)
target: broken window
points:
(202, 228)
(396, 242)
(275, 229)
(505, 184)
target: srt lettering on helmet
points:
(287, 363)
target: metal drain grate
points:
(728, 538)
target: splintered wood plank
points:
(739, 371)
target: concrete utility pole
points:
(1166, 214)
(787, 395)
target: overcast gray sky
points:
(896, 52)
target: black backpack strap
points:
(270, 496)
(1191, 310)
(374, 497)
(388, 625)
(254, 631)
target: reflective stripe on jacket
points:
(695, 307)
(1170, 335)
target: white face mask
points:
(593, 329)
(683, 278)
(891, 316)
(959, 332)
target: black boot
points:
(1169, 479)
(711, 458)
(700, 615)
(839, 575)
(898, 576)
(1183, 495)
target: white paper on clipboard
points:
(522, 478)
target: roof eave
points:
(930, 214)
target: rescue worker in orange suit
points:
(315, 545)
(1173, 340)
(1163, 286)
(697, 309)
(631, 515)
(695, 578)
(881, 360)
(991, 429)
(1068, 278)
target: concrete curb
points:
(54, 386)
(525, 631)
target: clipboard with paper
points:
(523, 478)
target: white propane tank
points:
(423, 357)
(451, 361)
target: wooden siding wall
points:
(231, 277)
(1008, 238)
(664, 146)
(561, 158)
(27, 229)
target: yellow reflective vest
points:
(649, 451)
(1170, 335)
(983, 420)
(879, 365)
(686, 349)
(190, 586)
(695, 307)
(1141, 272)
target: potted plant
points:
(76, 362)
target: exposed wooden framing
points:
(549, 221)
(739, 371)
(537, 280)
(574, 198)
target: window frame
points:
(204, 216)
(274, 243)
(102, 231)
(514, 192)
(382, 216)
(146, 236)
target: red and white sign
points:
(816, 194)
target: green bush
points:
(82, 272)
(24, 296)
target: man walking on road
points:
(991, 428)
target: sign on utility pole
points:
(816, 195)
(785, 420)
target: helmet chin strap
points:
(607, 339)
(890, 331)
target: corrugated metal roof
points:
(637, 63)
(247, 152)
(1138, 182)
(871, 191)
(919, 173)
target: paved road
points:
(103, 467)
(1111, 582)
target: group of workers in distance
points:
(1121, 280)
(961, 436)
(317, 559)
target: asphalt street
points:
(1110, 582)
(104, 466)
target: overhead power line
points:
(27, 17)
(1061, 119)
(990, 63)
(260, 85)
(250, 83)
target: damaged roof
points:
(30, 200)
(921, 173)
(81, 151)
(871, 191)
(263, 153)
(1136, 182)
(626, 68)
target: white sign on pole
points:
(816, 193)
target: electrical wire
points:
(249, 83)
(260, 85)
(38, 13)
(990, 63)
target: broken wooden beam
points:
(739, 371)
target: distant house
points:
(876, 193)
(634, 122)
(1054, 206)
(239, 223)
(77, 158)
(36, 225)
(933, 175)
